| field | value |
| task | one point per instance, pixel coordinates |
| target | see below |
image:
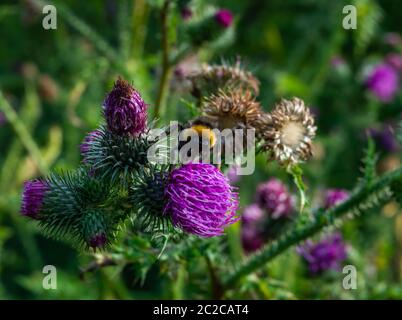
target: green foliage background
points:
(287, 44)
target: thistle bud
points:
(32, 198)
(124, 110)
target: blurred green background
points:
(56, 80)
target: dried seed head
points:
(236, 109)
(210, 78)
(289, 132)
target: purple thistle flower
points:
(252, 215)
(32, 198)
(251, 232)
(86, 143)
(224, 17)
(251, 239)
(98, 241)
(186, 13)
(384, 138)
(334, 197)
(124, 110)
(274, 197)
(394, 60)
(383, 82)
(200, 199)
(324, 255)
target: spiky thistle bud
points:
(33, 197)
(200, 200)
(114, 156)
(289, 131)
(124, 110)
(76, 207)
(147, 196)
(95, 228)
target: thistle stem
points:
(166, 66)
(299, 234)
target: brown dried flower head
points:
(210, 78)
(230, 110)
(288, 136)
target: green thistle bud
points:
(147, 197)
(114, 157)
(95, 228)
(81, 209)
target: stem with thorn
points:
(322, 220)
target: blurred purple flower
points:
(186, 13)
(200, 199)
(394, 60)
(252, 215)
(337, 61)
(224, 17)
(251, 232)
(334, 197)
(383, 82)
(125, 111)
(392, 38)
(384, 138)
(32, 198)
(251, 239)
(325, 255)
(274, 197)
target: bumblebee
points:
(203, 129)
